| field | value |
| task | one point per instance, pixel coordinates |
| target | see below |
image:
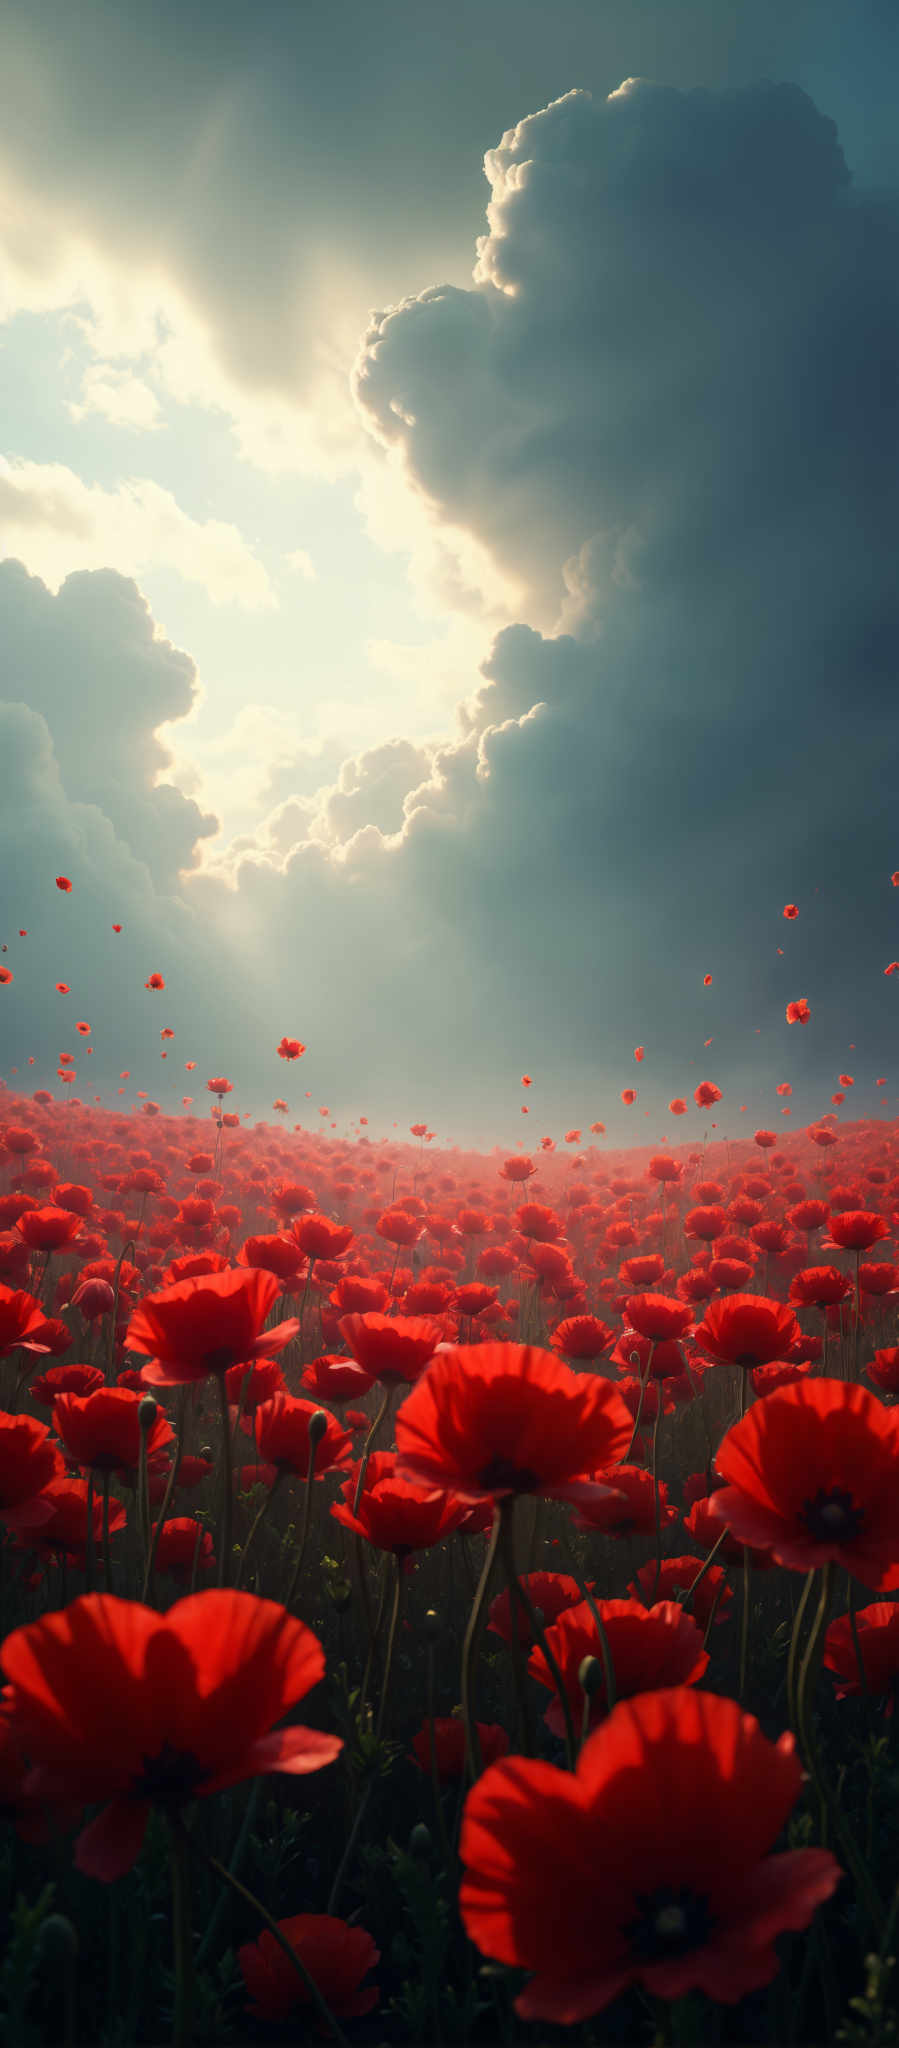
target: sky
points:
(448, 511)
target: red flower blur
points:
(282, 1437)
(878, 1641)
(449, 1745)
(336, 1956)
(395, 1512)
(119, 1706)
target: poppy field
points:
(448, 1596)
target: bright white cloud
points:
(117, 396)
(55, 523)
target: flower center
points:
(668, 1923)
(501, 1476)
(170, 1778)
(832, 1517)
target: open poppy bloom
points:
(486, 1420)
(395, 1512)
(657, 1317)
(28, 1460)
(336, 1956)
(812, 1473)
(747, 1330)
(334, 1378)
(319, 1237)
(102, 1430)
(116, 1704)
(64, 1534)
(391, 1348)
(21, 1320)
(857, 1229)
(878, 1641)
(47, 1230)
(574, 1878)
(206, 1325)
(648, 1647)
(634, 1510)
(713, 1595)
(582, 1337)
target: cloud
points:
(90, 664)
(117, 396)
(665, 409)
(54, 521)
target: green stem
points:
(226, 1523)
(322, 2008)
(304, 1532)
(473, 1760)
(644, 1382)
(853, 1623)
(167, 1496)
(256, 1526)
(369, 1446)
(506, 1509)
(391, 1644)
(793, 1658)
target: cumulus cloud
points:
(55, 522)
(118, 396)
(665, 408)
(91, 664)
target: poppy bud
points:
(590, 1676)
(147, 1411)
(420, 1841)
(318, 1424)
(58, 1941)
(340, 1593)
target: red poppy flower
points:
(257, 1380)
(133, 1709)
(819, 1286)
(648, 1647)
(491, 1419)
(395, 1512)
(94, 1298)
(519, 1167)
(319, 1238)
(703, 1526)
(63, 883)
(798, 1012)
(696, 1903)
(878, 1278)
(747, 1329)
(64, 1533)
(813, 1474)
(657, 1317)
(334, 1378)
(584, 1337)
(634, 1511)
(878, 1640)
(177, 1547)
(391, 1348)
(336, 1956)
(673, 1582)
(28, 1460)
(662, 1359)
(273, 1254)
(548, 1592)
(857, 1229)
(65, 1379)
(102, 1430)
(21, 1319)
(290, 1049)
(206, 1325)
(282, 1437)
(449, 1745)
(156, 981)
(46, 1230)
(884, 1369)
(782, 1372)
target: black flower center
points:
(748, 1360)
(832, 1517)
(170, 1778)
(668, 1923)
(501, 1476)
